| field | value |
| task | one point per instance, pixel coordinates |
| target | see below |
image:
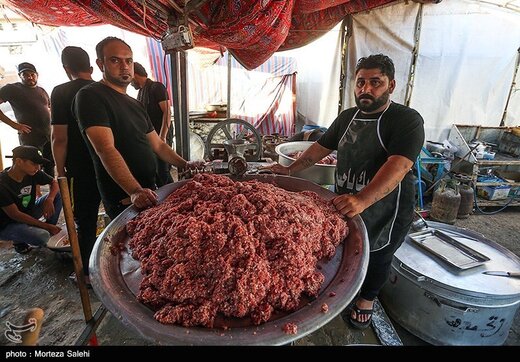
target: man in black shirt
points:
(20, 210)
(122, 140)
(154, 97)
(377, 143)
(30, 104)
(70, 150)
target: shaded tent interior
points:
(250, 30)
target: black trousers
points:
(85, 205)
(379, 265)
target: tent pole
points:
(511, 89)
(228, 108)
(180, 103)
(415, 54)
(346, 33)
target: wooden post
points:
(76, 254)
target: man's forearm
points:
(312, 155)
(386, 180)
(7, 120)
(167, 154)
(53, 190)
(166, 122)
(59, 152)
(24, 218)
(118, 170)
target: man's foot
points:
(361, 313)
(22, 248)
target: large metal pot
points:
(320, 174)
(116, 277)
(446, 306)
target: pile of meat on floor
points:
(235, 248)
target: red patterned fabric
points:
(53, 12)
(305, 28)
(251, 29)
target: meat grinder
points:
(236, 149)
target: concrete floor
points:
(39, 279)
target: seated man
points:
(20, 211)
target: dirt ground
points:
(40, 279)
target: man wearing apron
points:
(377, 143)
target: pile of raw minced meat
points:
(235, 248)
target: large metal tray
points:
(116, 278)
(448, 249)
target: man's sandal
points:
(22, 248)
(357, 324)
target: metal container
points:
(446, 202)
(116, 278)
(467, 199)
(448, 306)
(320, 174)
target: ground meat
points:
(239, 249)
(325, 308)
(290, 328)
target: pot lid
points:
(423, 262)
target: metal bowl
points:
(320, 174)
(116, 278)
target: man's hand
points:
(279, 169)
(143, 198)
(48, 208)
(349, 205)
(52, 229)
(192, 165)
(22, 128)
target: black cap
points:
(75, 58)
(29, 153)
(26, 66)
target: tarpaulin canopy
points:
(251, 29)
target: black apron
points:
(361, 153)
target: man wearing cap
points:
(30, 104)
(20, 210)
(70, 150)
(154, 97)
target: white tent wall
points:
(465, 64)
(513, 108)
(317, 82)
(45, 54)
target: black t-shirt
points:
(364, 143)
(23, 194)
(99, 105)
(401, 131)
(31, 107)
(150, 96)
(78, 162)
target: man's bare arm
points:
(102, 140)
(384, 182)
(59, 147)
(14, 213)
(166, 119)
(308, 158)
(22, 128)
(165, 152)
